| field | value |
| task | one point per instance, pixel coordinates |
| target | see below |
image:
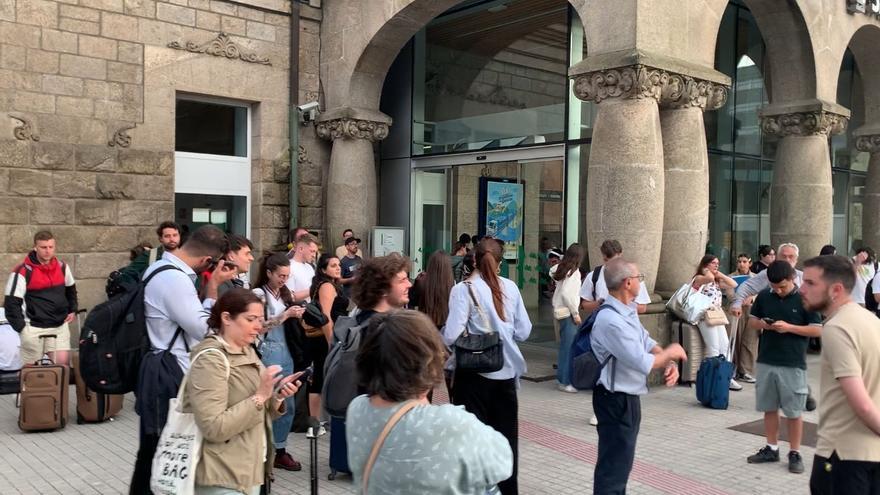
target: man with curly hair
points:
(382, 284)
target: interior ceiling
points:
(486, 33)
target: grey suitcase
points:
(690, 338)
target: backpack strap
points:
(158, 271)
(595, 279)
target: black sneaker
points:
(795, 462)
(766, 454)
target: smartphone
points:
(768, 321)
(306, 374)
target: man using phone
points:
(785, 326)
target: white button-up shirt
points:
(171, 301)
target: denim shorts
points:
(781, 387)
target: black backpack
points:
(340, 369)
(114, 340)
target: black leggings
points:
(493, 402)
(316, 353)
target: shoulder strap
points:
(177, 333)
(479, 309)
(186, 376)
(377, 445)
(595, 278)
(158, 271)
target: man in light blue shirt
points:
(618, 332)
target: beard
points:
(819, 306)
(170, 246)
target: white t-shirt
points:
(301, 275)
(864, 274)
(602, 289)
(875, 286)
(10, 342)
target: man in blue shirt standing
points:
(618, 332)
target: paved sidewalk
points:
(683, 449)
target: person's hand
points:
(736, 311)
(224, 272)
(781, 326)
(676, 352)
(861, 258)
(294, 311)
(288, 386)
(577, 319)
(670, 374)
(69, 318)
(268, 378)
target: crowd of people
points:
(243, 347)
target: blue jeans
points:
(275, 352)
(567, 333)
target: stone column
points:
(626, 178)
(801, 193)
(871, 205)
(351, 180)
(686, 172)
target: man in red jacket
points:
(41, 301)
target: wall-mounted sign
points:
(867, 7)
(387, 240)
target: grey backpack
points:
(340, 369)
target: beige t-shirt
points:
(850, 347)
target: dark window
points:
(211, 128)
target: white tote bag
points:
(688, 304)
(180, 446)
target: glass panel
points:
(581, 114)
(749, 85)
(839, 180)
(210, 128)
(720, 123)
(430, 231)
(720, 191)
(229, 213)
(751, 188)
(494, 75)
(578, 163)
(856, 203)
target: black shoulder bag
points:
(478, 352)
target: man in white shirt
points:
(176, 321)
(592, 295)
(302, 269)
(865, 264)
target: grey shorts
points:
(781, 387)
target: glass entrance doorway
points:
(518, 201)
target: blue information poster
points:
(504, 214)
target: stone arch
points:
(865, 47)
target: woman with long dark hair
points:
(491, 397)
(276, 346)
(566, 301)
(712, 283)
(327, 293)
(432, 295)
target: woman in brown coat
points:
(235, 414)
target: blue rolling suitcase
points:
(338, 448)
(713, 382)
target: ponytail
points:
(488, 256)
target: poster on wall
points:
(501, 212)
(387, 240)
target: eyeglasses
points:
(640, 276)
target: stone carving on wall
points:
(24, 131)
(121, 137)
(640, 81)
(221, 46)
(868, 142)
(352, 129)
(809, 123)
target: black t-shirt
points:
(758, 267)
(783, 349)
(349, 269)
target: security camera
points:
(308, 112)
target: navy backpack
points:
(585, 366)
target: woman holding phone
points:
(271, 289)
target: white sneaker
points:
(594, 421)
(736, 387)
(569, 389)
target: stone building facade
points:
(88, 91)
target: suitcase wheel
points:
(332, 475)
(79, 419)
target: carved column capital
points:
(641, 81)
(868, 142)
(353, 123)
(806, 123)
(349, 128)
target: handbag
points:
(688, 304)
(479, 352)
(180, 446)
(313, 319)
(716, 316)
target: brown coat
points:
(237, 451)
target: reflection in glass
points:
(489, 77)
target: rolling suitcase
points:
(338, 448)
(689, 337)
(44, 395)
(91, 406)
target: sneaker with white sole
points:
(594, 421)
(735, 386)
(746, 378)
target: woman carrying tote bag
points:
(712, 283)
(483, 304)
(235, 414)
(566, 299)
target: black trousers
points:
(494, 403)
(619, 416)
(140, 480)
(832, 476)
